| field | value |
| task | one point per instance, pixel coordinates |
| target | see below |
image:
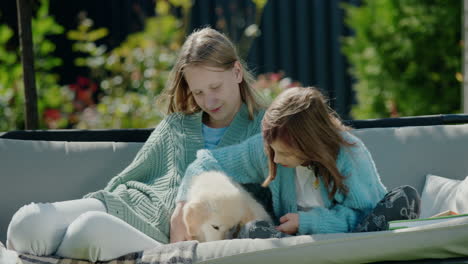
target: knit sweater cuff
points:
(307, 223)
(315, 222)
(323, 220)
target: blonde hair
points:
(205, 47)
(301, 118)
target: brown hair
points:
(301, 118)
(205, 47)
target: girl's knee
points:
(91, 225)
(403, 192)
(91, 228)
(415, 200)
(36, 229)
(88, 237)
(410, 192)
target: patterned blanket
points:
(178, 253)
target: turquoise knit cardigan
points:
(143, 194)
(247, 162)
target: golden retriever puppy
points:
(215, 204)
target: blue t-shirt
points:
(212, 136)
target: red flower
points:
(84, 90)
(52, 114)
(82, 81)
(74, 87)
(84, 95)
(93, 87)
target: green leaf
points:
(260, 4)
(185, 4)
(5, 34)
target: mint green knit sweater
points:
(143, 194)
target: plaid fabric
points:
(7, 256)
(30, 259)
(178, 253)
(260, 229)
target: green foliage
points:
(130, 76)
(50, 94)
(122, 84)
(10, 72)
(85, 38)
(253, 30)
(406, 57)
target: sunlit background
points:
(101, 64)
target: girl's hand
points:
(178, 230)
(289, 224)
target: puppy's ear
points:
(195, 213)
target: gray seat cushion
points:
(404, 156)
(49, 171)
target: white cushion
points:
(441, 194)
(436, 241)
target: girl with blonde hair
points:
(322, 178)
(211, 104)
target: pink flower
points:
(276, 77)
(294, 84)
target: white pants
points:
(79, 229)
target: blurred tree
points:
(406, 57)
(130, 76)
(53, 101)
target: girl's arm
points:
(365, 191)
(245, 163)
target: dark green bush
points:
(406, 57)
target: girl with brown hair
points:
(322, 178)
(210, 103)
